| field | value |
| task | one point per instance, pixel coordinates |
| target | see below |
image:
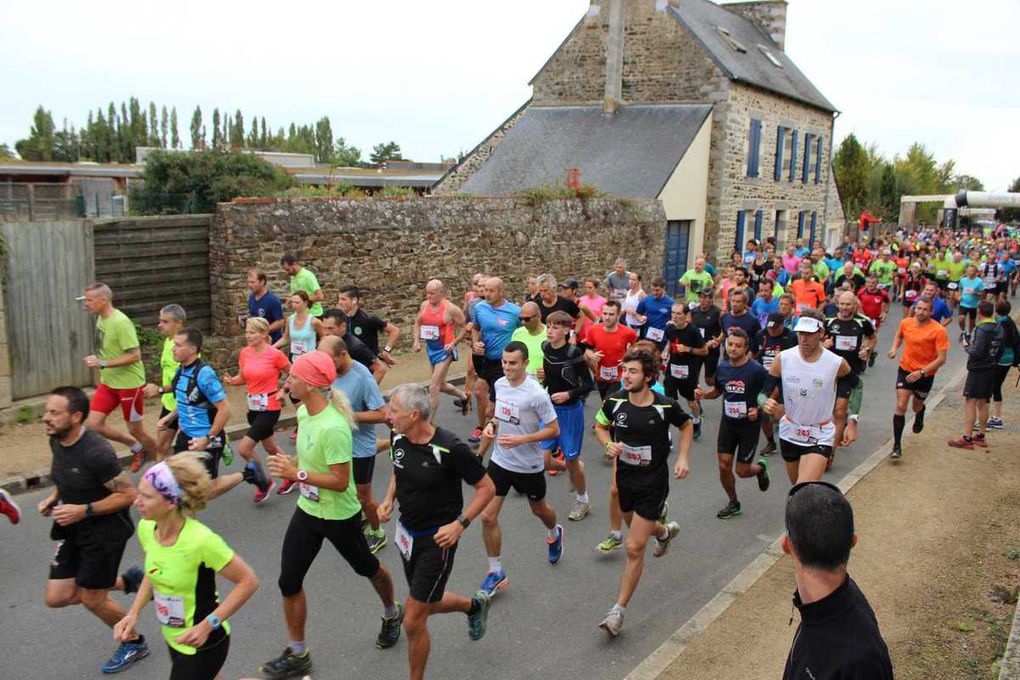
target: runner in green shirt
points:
(695, 280)
(328, 509)
(303, 279)
(532, 334)
(171, 320)
(885, 269)
(182, 558)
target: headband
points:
(162, 480)
(315, 368)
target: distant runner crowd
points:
(780, 337)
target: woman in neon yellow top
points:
(182, 558)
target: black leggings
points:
(303, 540)
(202, 665)
(1000, 377)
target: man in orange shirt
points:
(806, 290)
(925, 346)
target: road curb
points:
(665, 654)
(41, 478)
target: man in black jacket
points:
(982, 356)
(838, 636)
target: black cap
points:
(707, 292)
(775, 319)
(570, 283)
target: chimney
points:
(770, 15)
(614, 58)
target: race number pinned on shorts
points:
(911, 295)
(309, 491)
(405, 542)
(258, 402)
(655, 334)
(636, 455)
(298, 348)
(508, 413)
(609, 373)
(846, 343)
(169, 609)
(429, 332)
(953, 285)
(735, 409)
(679, 371)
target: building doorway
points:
(678, 235)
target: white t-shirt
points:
(521, 410)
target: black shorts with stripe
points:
(428, 569)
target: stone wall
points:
(452, 181)
(5, 353)
(391, 248)
(769, 15)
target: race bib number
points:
(953, 285)
(609, 373)
(655, 334)
(735, 409)
(766, 361)
(298, 348)
(989, 281)
(969, 291)
(846, 343)
(902, 270)
(702, 331)
(508, 413)
(800, 434)
(636, 455)
(910, 295)
(678, 371)
(405, 542)
(258, 402)
(169, 609)
(942, 273)
(429, 332)
(309, 491)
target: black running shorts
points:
(920, 388)
(261, 424)
(741, 440)
(364, 469)
(89, 555)
(980, 384)
(428, 569)
(531, 484)
(647, 501)
(792, 452)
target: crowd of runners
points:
(782, 338)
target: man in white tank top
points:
(808, 374)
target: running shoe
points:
(769, 449)
(662, 544)
(897, 452)
(261, 496)
(732, 509)
(476, 436)
(9, 507)
(556, 545)
(228, 454)
(962, 336)
(132, 579)
(376, 543)
(463, 404)
(390, 632)
(610, 544)
(919, 421)
(995, 423)
(664, 517)
(558, 455)
(137, 458)
(764, 481)
(612, 623)
(962, 443)
(493, 581)
(127, 654)
(979, 440)
(288, 665)
(697, 429)
(477, 622)
(871, 359)
(580, 511)
(286, 486)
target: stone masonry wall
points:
(455, 178)
(5, 353)
(391, 248)
(661, 63)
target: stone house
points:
(760, 162)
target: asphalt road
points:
(544, 622)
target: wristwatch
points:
(387, 349)
(464, 521)
(102, 363)
(89, 512)
(921, 371)
(214, 621)
(302, 475)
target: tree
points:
(253, 136)
(217, 142)
(5, 152)
(153, 139)
(237, 131)
(263, 138)
(851, 167)
(164, 127)
(965, 182)
(197, 130)
(175, 136)
(39, 144)
(323, 140)
(346, 156)
(1010, 214)
(889, 195)
(389, 151)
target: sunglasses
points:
(526, 319)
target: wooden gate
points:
(48, 266)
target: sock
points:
(377, 533)
(475, 606)
(619, 608)
(696, 420)
(137, 447)
(919, 415)
(618, 535)
(553, 533)
(390, 610)
(495, 565)
(297, 647)
(582, 497)
(898, 422)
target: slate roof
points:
(631, 153)
(703, 18)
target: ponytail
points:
(343, 406)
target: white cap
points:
(807, 324)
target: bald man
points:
(436, 330)
(532, 334)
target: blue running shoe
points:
(132, 579)
(556, 545)
(126, 656)
(494, 580)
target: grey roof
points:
(631, 153)
(703, 19)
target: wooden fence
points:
(150, 262)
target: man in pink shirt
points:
(790, 259)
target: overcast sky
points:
(438, 76)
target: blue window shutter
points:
(818, 162)
(753, 148)
(793, 155)
(800, 224)
(759, 218)
(814, 223)
(741, 228)
(805, 172)
(780, 139)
